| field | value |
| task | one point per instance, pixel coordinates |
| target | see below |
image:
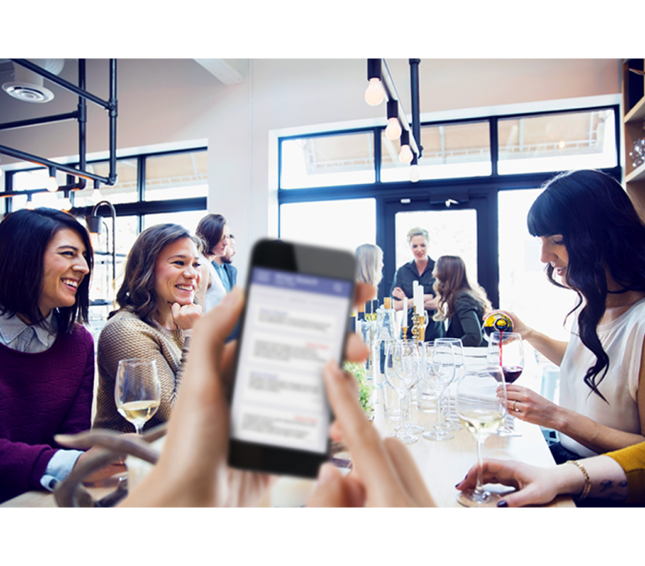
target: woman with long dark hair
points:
(156, 314)
(46, 355)
(213, 231)
(593, 242)
(458, 303)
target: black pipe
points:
(61, 82)
(414, 95)
(38, 121)
(82, 122)
(113, 111)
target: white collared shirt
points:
(28, 338)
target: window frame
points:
(487, 186)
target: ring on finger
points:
(514, 406)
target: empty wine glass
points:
(481, 406)
(460, 367)
(438, 372)
(402, 372)
(137, 391)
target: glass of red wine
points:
(506, 351)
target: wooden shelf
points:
(637, 174)
(636, 113)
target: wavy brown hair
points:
(451, 281)
(137, 293)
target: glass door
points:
(455, 228)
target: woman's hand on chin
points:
(185, 316)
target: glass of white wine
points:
(137, 391)
(481, 407)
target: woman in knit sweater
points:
(46, 356)
(156, 314)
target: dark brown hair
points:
(210, 230)
(451, 280)
(137, 293)
(24, 237)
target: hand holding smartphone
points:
(295, 319)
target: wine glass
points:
(402, 372)
(137, 391)
(506, 351)
(481, 406)
(438, 372)
(460, 366)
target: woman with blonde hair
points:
(369, 264)
(420, 269)
(458, 303)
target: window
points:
(339, 224)
(345, 159)
(451, 150)
(179, 175)
(558, 142)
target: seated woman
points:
(458, 303)
(213, 231)
(369, 264)
(46, 356)
(593, 241)
(156, 314)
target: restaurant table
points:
(445, 463)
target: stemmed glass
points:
(506, 351)
(137, 391)
(402, 372)
(438, 373)
(481, 406)
(460, 366)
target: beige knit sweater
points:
(126, 336)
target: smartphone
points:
(298, 302)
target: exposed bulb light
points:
(96, 196)
(30, 203)
(393, 129)
(374, 93)
(51, 184)
(414, 173)
(405, 155)
(66, 204)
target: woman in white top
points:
(594, 242)
(214, 233)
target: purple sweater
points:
(42, 395)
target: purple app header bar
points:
(301, 282)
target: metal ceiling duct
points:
(28, 86)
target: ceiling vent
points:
(28, 86)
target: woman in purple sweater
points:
(46, 356)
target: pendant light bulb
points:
(374, 93)
(51, 184)
(414, 174)
(96, 196)
(66, 204)
(393, 129)
(30, 204)
(405, 155)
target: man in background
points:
(227, 261)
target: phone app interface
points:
(294, 324)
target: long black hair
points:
(603, 234)
(24, 237)
(209, 231)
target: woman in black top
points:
(419, 269)
(458, 303)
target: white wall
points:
(177, 103)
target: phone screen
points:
(294, 323)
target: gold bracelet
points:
(587, 487)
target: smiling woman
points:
(46, 357)
(156, 314)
